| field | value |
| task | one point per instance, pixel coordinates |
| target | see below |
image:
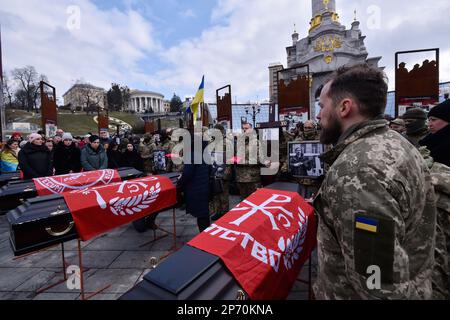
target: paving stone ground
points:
(119, 259)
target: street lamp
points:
(253, 111)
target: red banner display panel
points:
(294, 93)
(416, 80)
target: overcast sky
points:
(166, 46)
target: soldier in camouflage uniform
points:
(248, 169)
(146, 150)
(219, 205)
(376, 206)
(440, 175)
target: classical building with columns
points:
(328, 46)
(142, 101)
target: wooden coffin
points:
(189, 274)
(42, 222)
(15, 193)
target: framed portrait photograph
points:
(304, 161)
(159, 160)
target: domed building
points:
(144, 101)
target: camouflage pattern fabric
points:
(440, 175)
(220, 204)
(376, 208)
(146, 151)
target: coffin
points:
(42, 222)
(192, 274)
(189, 274)
(16, 192)
(7, 177)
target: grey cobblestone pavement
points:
(119, 259)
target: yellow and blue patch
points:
(366, 224)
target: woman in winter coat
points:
(93, 155)
(131, 158)
(9, 156)
(194, 182)
(66, 156)
(35, 159)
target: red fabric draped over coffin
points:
(75, 181)
(264, 242)
(101, 209)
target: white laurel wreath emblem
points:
(292, 247)
(132, 205)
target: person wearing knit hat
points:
(438, 141)
(67, 136)
(16, 136)
(415, 124)
(33, 137)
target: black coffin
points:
(7, 177)
(192, 274)
(45, 221)
(189, 274)
(40, 223)
(15, 193)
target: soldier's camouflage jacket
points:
(376, 212)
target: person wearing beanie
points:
(438, 141)
(35, 159)
(93, 156)
(66, 158)
(415, 124)
(16, 136)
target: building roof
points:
(83, 86)
(136, 92)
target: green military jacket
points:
(377, 218)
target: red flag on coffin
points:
(75, 181)
(264, 242)
(101, 209)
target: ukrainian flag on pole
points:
(198, 100)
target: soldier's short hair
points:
(366, 84)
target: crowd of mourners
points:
(39, 156)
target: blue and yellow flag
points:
(198, 99)
(366, 224)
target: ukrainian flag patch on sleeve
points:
(366, 224)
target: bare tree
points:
(7, 91)
(88, 97)
(28, 80)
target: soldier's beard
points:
(331, 134)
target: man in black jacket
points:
(35, 159)
(438, 141)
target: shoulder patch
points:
(373, 241)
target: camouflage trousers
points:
(247, 188)
(440, 277)
(220, 204)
